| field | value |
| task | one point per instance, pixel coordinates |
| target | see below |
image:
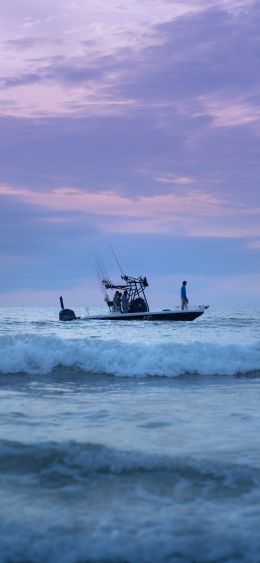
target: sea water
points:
(129, 441)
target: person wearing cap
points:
(184, 298)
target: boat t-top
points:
(135, 305)
(138, 308)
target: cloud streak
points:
(192, 212)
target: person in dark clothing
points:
(125, 302)
(184, 298)
(117, 301)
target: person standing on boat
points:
(125, 302)
(117, 301)
(184, 298)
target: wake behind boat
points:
(133, 306)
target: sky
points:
(132, 124)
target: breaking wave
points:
(39, 355)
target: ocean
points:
(129, 442)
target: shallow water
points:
(129, 441)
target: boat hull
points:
(152, 316)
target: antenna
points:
(116, 259)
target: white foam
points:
(36, 354)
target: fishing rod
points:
(116, 259)
(102, 275)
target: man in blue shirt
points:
(184, 298)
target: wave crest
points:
(39, 355)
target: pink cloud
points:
(193, 212)
(172, 179)
(230, 112)
(92, 31)
(111, 203)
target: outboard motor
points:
(66, 314)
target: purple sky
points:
(134, 124)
